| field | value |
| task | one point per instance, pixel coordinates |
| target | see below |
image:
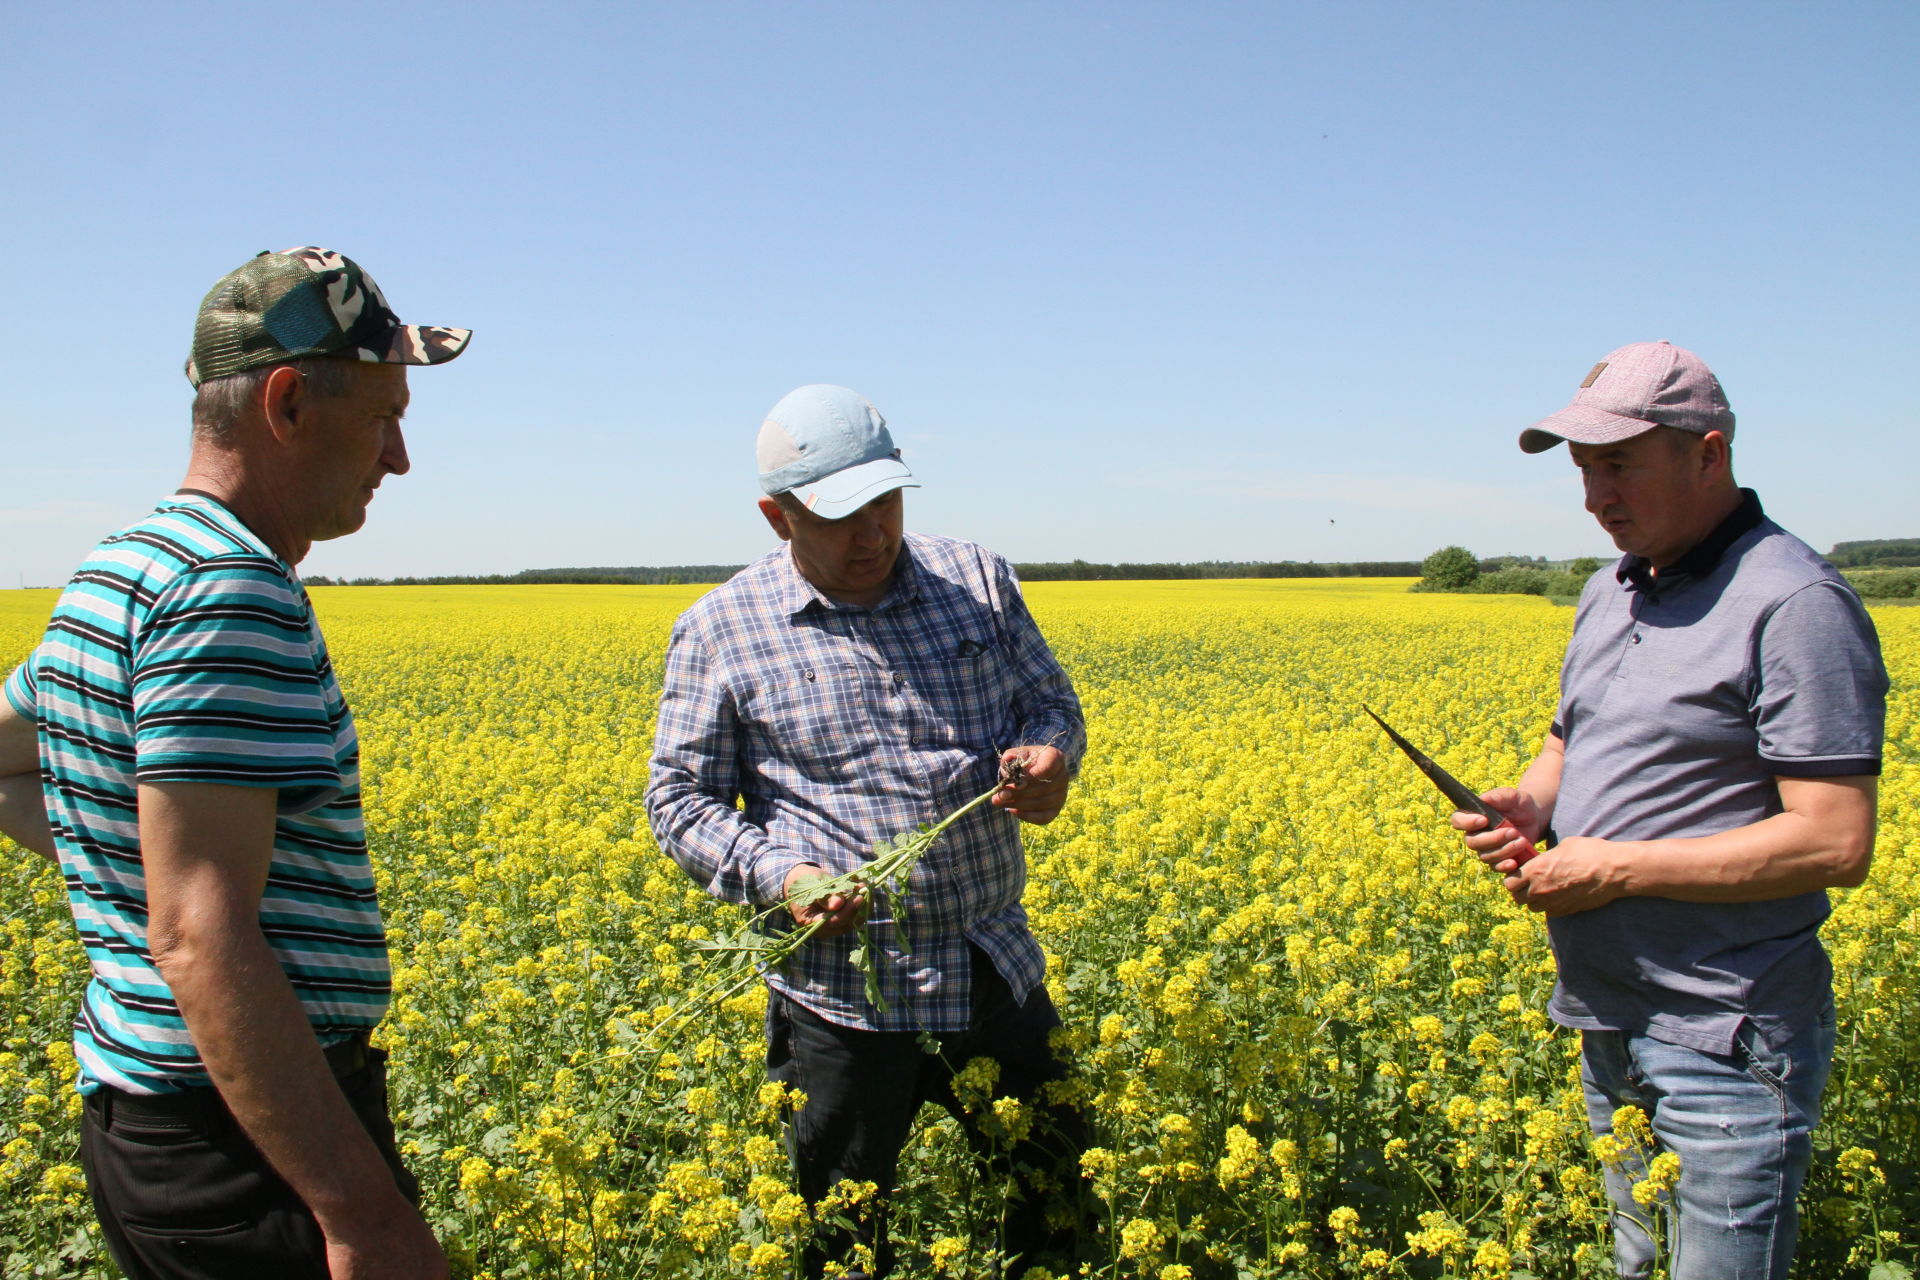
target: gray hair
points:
(220, 401)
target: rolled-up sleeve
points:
(1045, 705)
(694, 781)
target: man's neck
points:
(864, 599)
(224, 477)
(1719, 507)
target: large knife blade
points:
(1464, 798)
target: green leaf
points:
(1890, 1271)
(78, 1246)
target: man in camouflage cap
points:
(179, 746)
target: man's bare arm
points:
(207, 850)
(1823, 839)
(23, 805)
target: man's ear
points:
(1716, 453)
(777, 519)
(283, 398)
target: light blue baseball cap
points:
(831, 450)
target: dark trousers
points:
(183, 1195)
(863, 1089)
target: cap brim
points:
(1581, 425)
(422, 344)
(845, 492)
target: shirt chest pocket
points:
(812, 719)
(963, 692)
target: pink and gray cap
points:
(1636, 388)
(830, 448)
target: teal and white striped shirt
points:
(185, 651)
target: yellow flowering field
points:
(1308, 1026)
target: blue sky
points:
(1129, 281)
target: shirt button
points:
(1636, 637)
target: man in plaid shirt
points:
(855, 683)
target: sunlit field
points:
(1309, 1028)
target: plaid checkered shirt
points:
(840, 726)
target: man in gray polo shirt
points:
(1711, 771)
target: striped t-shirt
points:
(185, 651)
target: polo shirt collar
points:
(1701, 558)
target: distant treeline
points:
(1878, 553)
(1083, 570)
(1458, 570)
(1885, 584)
(1050, 571)
(640, 575)
(1887, 569)
(1526, 574)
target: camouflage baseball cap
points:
(306, 302)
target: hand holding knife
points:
(1464, 799)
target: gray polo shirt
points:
(1682, 699)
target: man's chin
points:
(349, 524)
(873, 572)
(1623, 539)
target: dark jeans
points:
(863, 1089)
(183, 1195)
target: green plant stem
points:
(750, 959)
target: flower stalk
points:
(754, 949)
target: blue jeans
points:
(1742, 1125)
